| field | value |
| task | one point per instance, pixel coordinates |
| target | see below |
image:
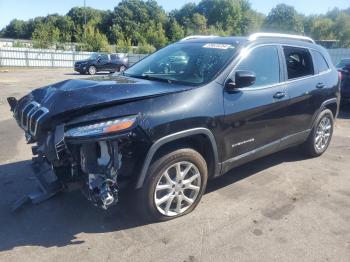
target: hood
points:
(73, 95)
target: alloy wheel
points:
(177, 188)
(92, 70)
(323, 133)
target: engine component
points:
(100, 161)
(102, 192)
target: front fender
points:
(164, 140)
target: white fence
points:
(338, 54)
(29, 57)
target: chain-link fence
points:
(28, 57)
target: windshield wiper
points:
(154, 78)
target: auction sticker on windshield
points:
(218, 46)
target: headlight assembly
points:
(102, 128)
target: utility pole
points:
(85, 20)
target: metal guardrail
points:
(29, 57)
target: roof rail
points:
(276, 35)
(197, 37)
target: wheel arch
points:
(176, 140)
(331, 104)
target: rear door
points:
(303, 86)
(115, 63)
(254, 116)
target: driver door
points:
(255, 115)
(103, 63)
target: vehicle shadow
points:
(57, 222)
(256, 166)
(77, 74)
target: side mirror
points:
(242, 79)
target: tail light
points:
(340, 75)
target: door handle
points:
(320, 85)
(279, 95)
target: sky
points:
(26, 9)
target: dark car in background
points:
(344, 68)
(102, 62)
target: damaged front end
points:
(101, 162)
(87, 155)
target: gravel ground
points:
(279, 208)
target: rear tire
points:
(122, 68)
(320, 135)
(174, 185)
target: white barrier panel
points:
(30, 57)
(339, 54)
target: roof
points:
(260, 38)
(216, 39)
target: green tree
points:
(183, 15)
(95, 41)
(342, 29)
(45, 35)
(175, 31)
(145, 49)
(66, 26)
(283, 18)
(223, 13)
(144, 23)
(135, 17)
(155, 35)
(198, 24)
(322, 29)
(123, 45)
(16, 29)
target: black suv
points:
(164, 133)
(102, 62)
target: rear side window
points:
(104, 57)
(264, 62)
(298, 62)
(320, 61)
(113, 57)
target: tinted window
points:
(298, 61)
(113, 57)
(320, 61)
(264, 62)
(104, 57)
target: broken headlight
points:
(102, 128)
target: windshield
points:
(185, 63)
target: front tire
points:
(174, 185)
(320, 135)
(92, 70)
